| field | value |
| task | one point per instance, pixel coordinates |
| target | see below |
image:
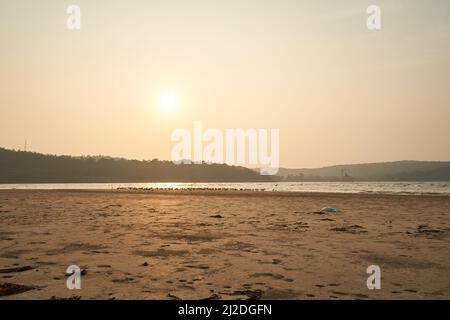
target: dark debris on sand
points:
(8, 289)
(354, 229)
(83, 273)
(213, 296)
(172, 296)
(429, 232)
(16, 269)
(251, 294)
(256, 294)
(70, 298)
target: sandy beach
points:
(222, 245)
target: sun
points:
(167, 102)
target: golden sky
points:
(338, 92)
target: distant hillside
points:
(384, 171)
(29, 167)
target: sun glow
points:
(167, 102)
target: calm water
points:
(421, 188)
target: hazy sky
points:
(338, 92)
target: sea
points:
(398, 187)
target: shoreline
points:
(242, 193)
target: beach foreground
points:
(222, 245)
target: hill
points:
(383, 171)
(30, 167)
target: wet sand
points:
(222, 245)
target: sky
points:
(338, 92)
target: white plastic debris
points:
(329, 209)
